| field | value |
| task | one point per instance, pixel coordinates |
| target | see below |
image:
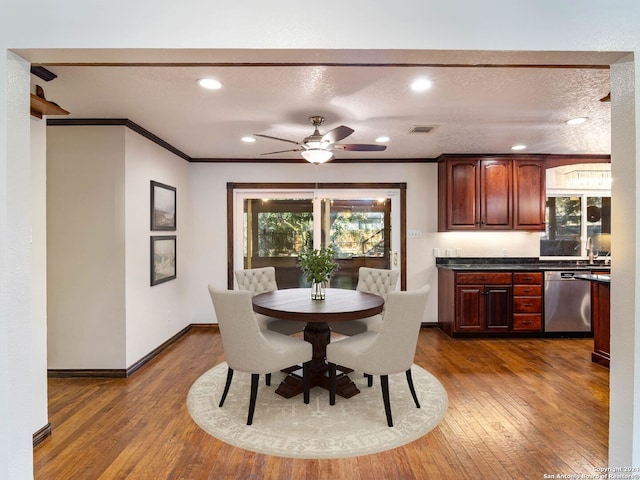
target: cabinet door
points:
(498, 307)
(461, 202)
(600, 315)
(529, 195)
(496, 194)
(470, 308)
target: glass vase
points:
(318, 290)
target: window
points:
(571, 220)
(272, 224)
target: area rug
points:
(289, 428)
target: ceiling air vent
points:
(420, 129)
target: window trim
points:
(583, 194)
(232, 186)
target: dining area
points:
(319, 342)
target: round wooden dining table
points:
(339, 305)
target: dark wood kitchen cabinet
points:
(527, 301)
(496, 194)
(459, 194)
(600, 319)
(485, 303)
(529, 195)
(476, 302)
(490, 193)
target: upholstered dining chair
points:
(385, 352)
(261, 280)
(379, 281)
(249, 349)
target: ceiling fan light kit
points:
(316, 155)
(317, 148)
(210, 83)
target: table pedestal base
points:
(292, 384)
(319, 335)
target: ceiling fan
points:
(317, 148)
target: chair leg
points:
(413, 390)
(255, 378)
(384, 382)
(332, 383)
(306, 380)
(369, 379)
(226, 386)
(267, 379)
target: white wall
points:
(624, 418)
(103, 312)
(39, 272)
(208, 193)
(17, 380)
(153, 314)
(492, 25)
(86, 247)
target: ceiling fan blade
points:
(337, 134)
(275, 138)
(283, 151)
(360, 147)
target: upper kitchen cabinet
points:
(529, 194)
(490, 193)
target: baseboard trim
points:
(119, 372)
(87, 373)
(156, 351)
(41, 434)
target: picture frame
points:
(163, 258)
(163, 206)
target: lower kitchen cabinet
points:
(600, 319)
(527, 301)
(489, 302)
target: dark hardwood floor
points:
(518, 409)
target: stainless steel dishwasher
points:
(567, 303)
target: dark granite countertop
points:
(517, 263)
(594, 278)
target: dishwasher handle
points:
(558, 276)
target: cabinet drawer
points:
(527, 322)
(527, 304)
(527, 290)
(528, 277)
(479, 278)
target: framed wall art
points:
(163, 206)
(163, 259)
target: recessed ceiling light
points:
(519, 147)
(421, 85)
(382, 139)
(577, 121)
(248, 139)
(210, 83)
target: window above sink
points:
(578, 207)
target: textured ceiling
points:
(473, 109)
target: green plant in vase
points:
(318, 267)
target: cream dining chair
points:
(261, 280)
(385, 352)
(249, 349)
(371, 280)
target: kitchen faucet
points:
(590, 250)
